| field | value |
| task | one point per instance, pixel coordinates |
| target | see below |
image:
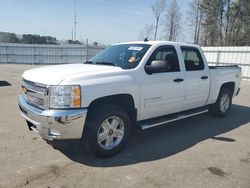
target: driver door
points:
(162, 93)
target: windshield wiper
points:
(105, 63)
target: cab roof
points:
(159, 43)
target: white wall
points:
(239, 55)
(46, 54)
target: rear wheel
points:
(107, 130)
(223, 104)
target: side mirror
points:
(158, 66)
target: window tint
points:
(192, 58)
(167, 54)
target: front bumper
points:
(53, 124)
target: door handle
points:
(204, 77)
(178, 80)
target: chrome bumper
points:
(54, 124)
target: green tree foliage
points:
(37, 39)
(73, 42)
(26, 38)
(9, 37)
(225, 22)
(240, 32)
(210, 24)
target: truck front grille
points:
(35, 94)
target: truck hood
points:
(55, 74)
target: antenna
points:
(75, 22)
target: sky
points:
(104, 21)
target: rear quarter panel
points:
(221, 76)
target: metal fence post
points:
(61, 54)
(87, 50)
(218, 58)
(6, 54)
(81, 54)
(34, 56)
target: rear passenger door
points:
(197, 78)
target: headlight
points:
(65, 97)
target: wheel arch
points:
(126, 101)
(215, 108)
(228, 85)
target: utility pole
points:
(75, 22)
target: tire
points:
(100, 135)
(223, 104)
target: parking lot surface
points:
(201, 151)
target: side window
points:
(167, 54)
(192, 59)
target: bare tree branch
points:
(147, 32)
(157, 9)
(173, 19)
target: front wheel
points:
(107, 130)
(223, 104)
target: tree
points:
(239, 32)
(206, 21)
(157, 9)
(221, 5)
(73, 42)
(173, 21)
(194, 19)
(245, 19)
(227, 18)
(147, 32)
(51, 40)
(37, 39)
(210, 22)
(225, 22)
(9, 37)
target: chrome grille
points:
(35, 94)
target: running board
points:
(146, 124)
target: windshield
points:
(126, 56)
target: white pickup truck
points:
(134, 84)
